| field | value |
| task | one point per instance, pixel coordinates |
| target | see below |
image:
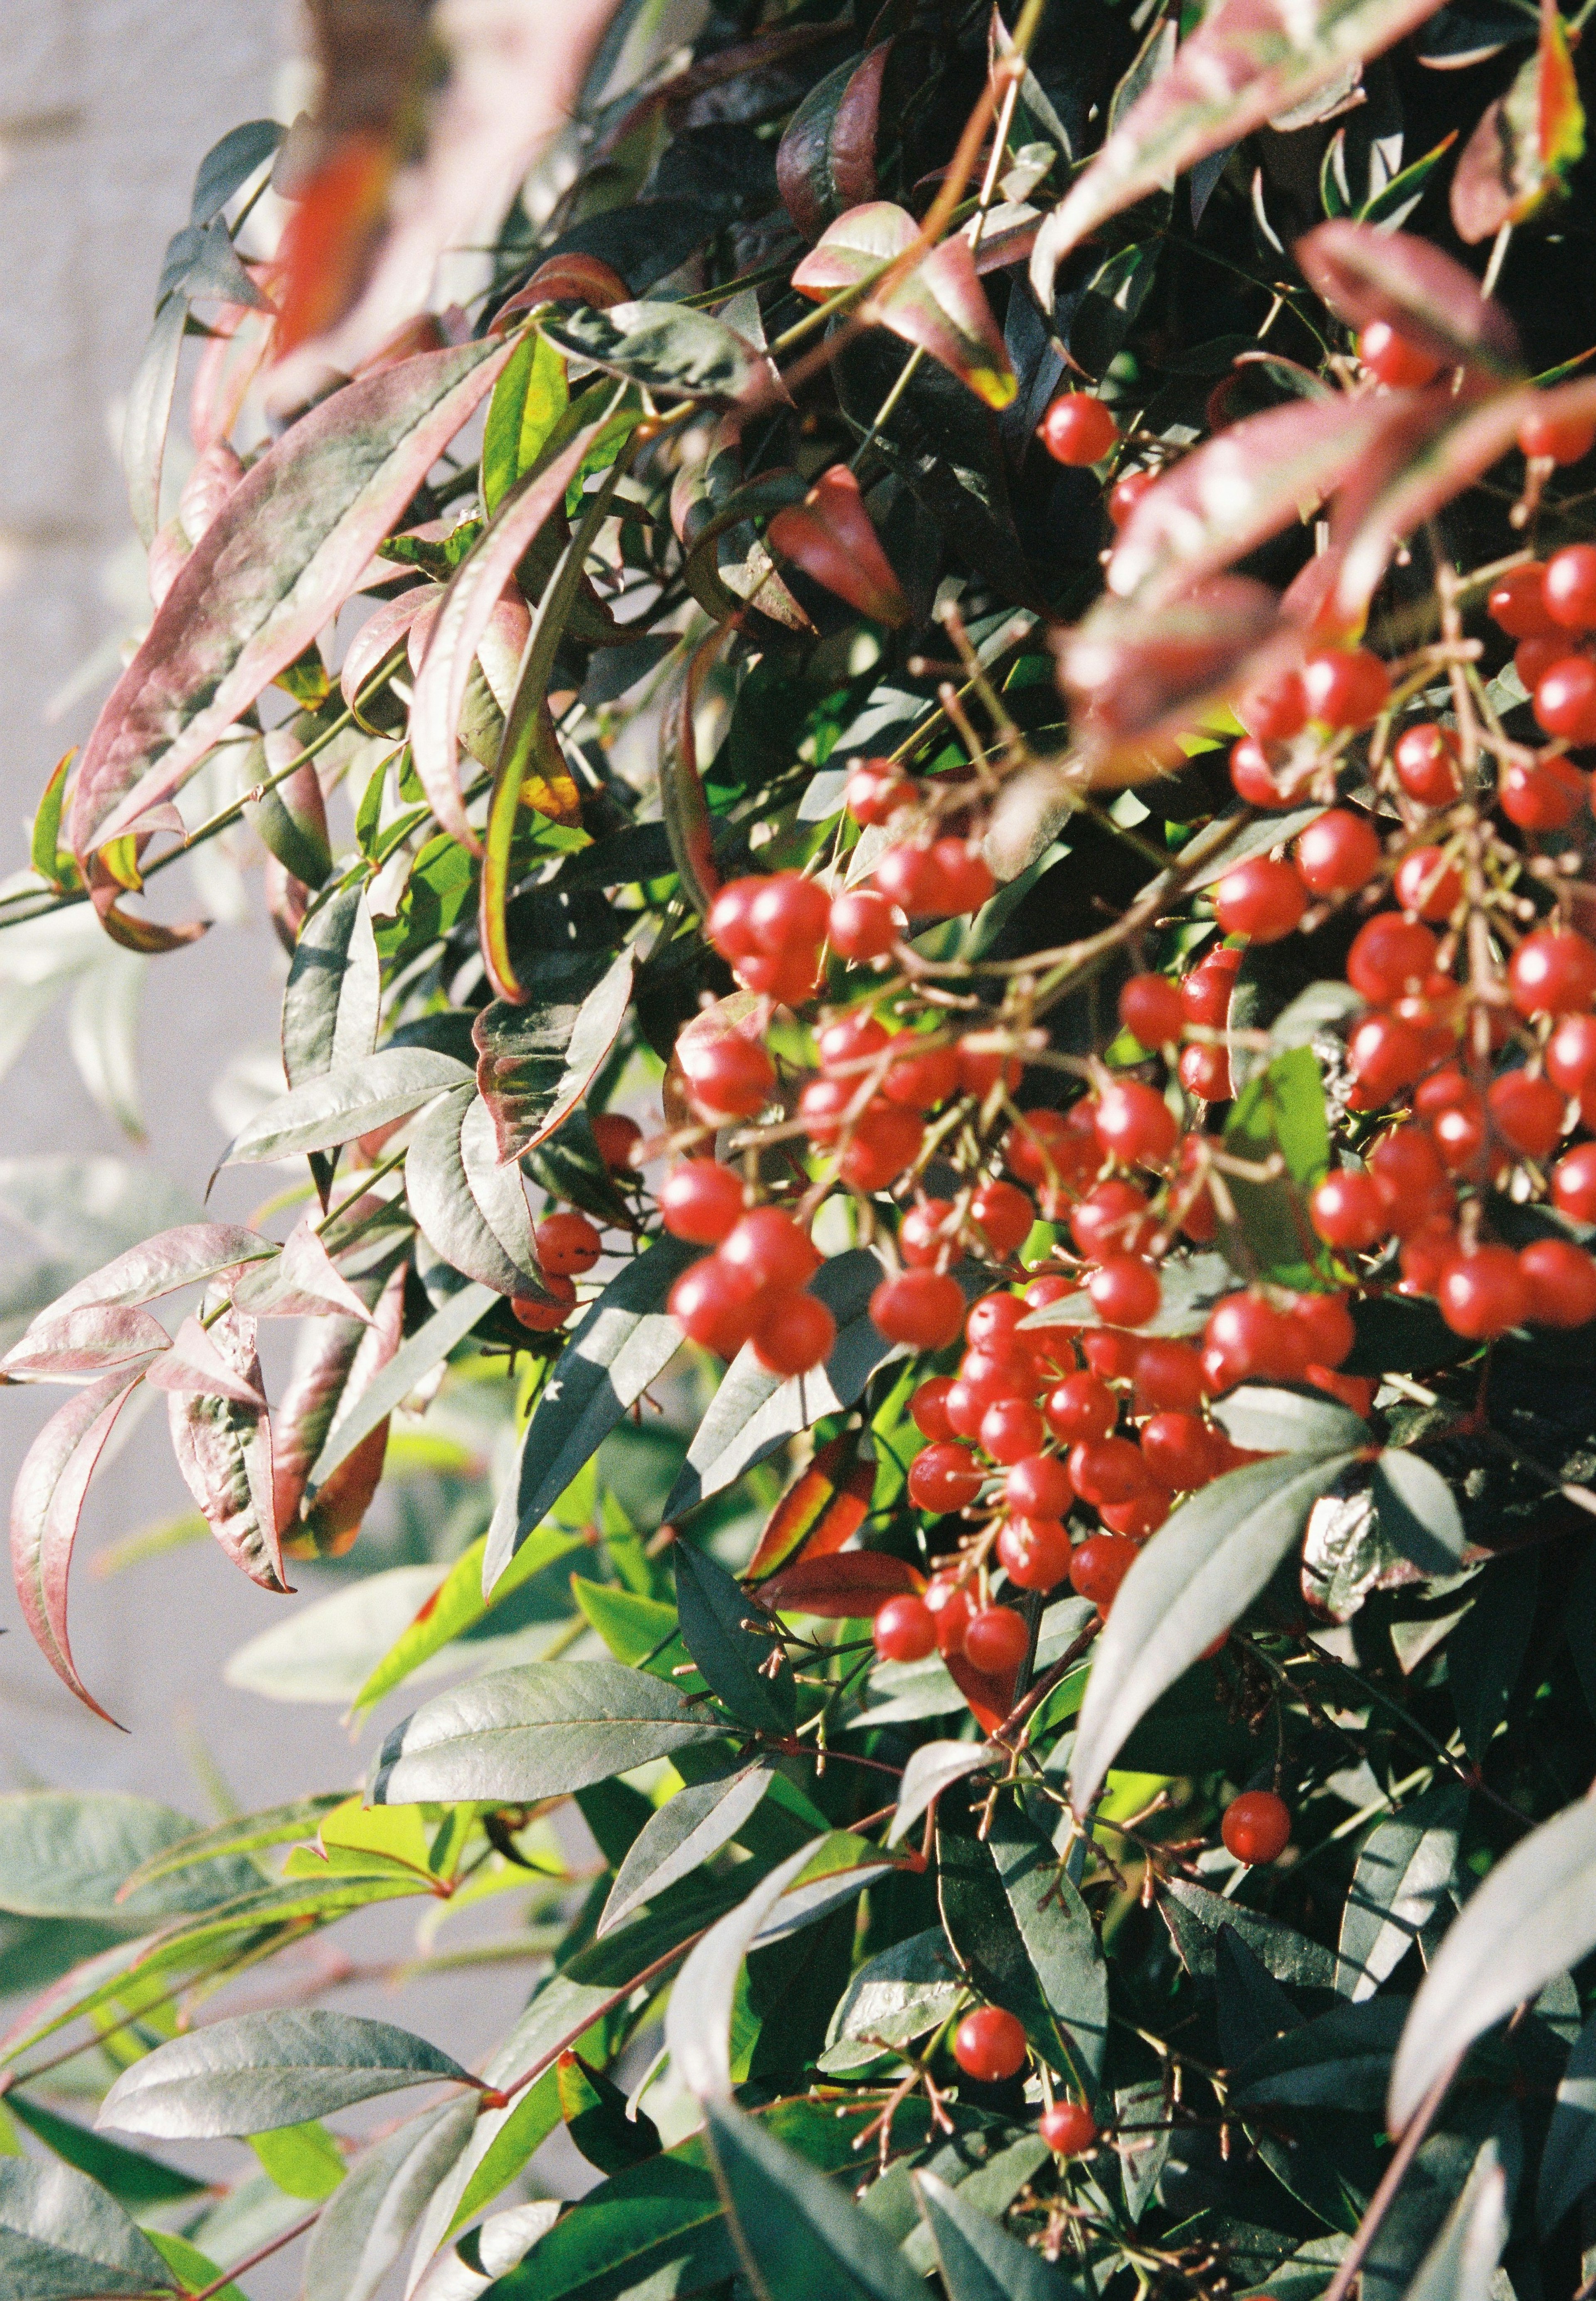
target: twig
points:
(1391, 2181)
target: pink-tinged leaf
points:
(224, 1449)
(227, 367)
(941, 306)
(1248, 61)
(849, 1584)
(826, 162)
(468, 605)
(149, 937)
(291, 544)
(337, 1361)
(569, 278)
(683, 807)
(856, 246)
(216, 472)
(80, 1344)
(303, 1283)
(1364, 273)
(1138, 678)
(172, 1259)
(196, 1363)
(502, 645)
(45, 1506)
(537, 1058)
(1524, 142)
(383, 633)
(830, 536)
(1258, 477)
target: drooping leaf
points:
(625, 1339)
(792, 2225)
(46, 1503)
(368, 2223)
(471, 1210)
(684, 809)
(339, 1105)
(337, 1362)
(1248, 61)
(195, 1362)
(80, 1854)
(535, 1732)
(978, 2258)
(684, 1833)
(1568, 2158)
(1416, 1510)
(830, 536)
(177, 1258)
(251, 2072)
(716, 1614)
(595, 2114)
(1366, 274)
(821, 1512)
(416, 1357)
(1340, 2061)
(221, 1438)
(84, 1342)
(1200, 1571)
(288, 548)
(848, 1586)
(132, 2179)
(536, 1062)
(1279, 1118)
(149, 414)
(1060, 1940)
(826, 163)
(1461, 2263)
(699, 2018)
(1491, 1960)
(1405, 1868)
(61, 2236)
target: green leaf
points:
(255, 2071)
(1280, 1114)
(196, 2272)
(1199, 1574)
(1406, 1867)
(132, 2179)
(230, 164)
(69, 1853)
(427, 1347)
(62, 2237)
(1197, 1919)
(457, 1605)
(1059, 1938)
(900, 1994)
(978, 2259)
(470, 1210)
(1461, 2263)
(713, 1609)
(537, 1061)
(1416, 1511)
(1269, 1420)
(595, 2113)
(537, 1732)
(365, 2227)
(931, 1769)
(699, 2018)
(332, 999)
(667, 348)
(285, 551)
(1338, 2061)
(1533, 1916)
(304, 2161)
(1568, 2158)
(625, 1339)
(795, 2230)
(339, 1105)
(528, 401)
(683, 1833)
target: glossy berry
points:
(1256, 1826)
(1110, 1353)
(728, 1077)
(980, 1069)
(1133, 1123)
(700, 1201)
(1517, 603)
(1183, 1450)
(793, 1333)
(1003, 1214)
(928, 1407)
(1034, 1552)
(847, 1045)
(1574, 1183)
(1561, 1278)
(1570, 587)
(1338, 853)
(924, 1240)
(1080, 1409)
(1011, 1429)
(904, 1629)
(950, 1612)
(887, 1140)
(1252, 774)
(1545, 797)
(995, 1640)
(823, 1105)
(789, 914)
(864, 924)
(1169, 1378)
(1347, 1209)
(1069, 2129)
(1205, 1073)
(769, 1245)
(967, 880)
(1112, 1218)
(923, 1076)
(728, 926)
(1127, 493)
(567, 1244)
(1143, 1515)
(1533, 658)
(1386, 1055)
(1562, 438)
(1206, 992)
(1428, 884)
(1483, 1294)
(1246, 1338)
(1150, 1009)
(713, 1304)
(923, 1309)
(1126, 1290)
(1038, 1485)
(1552, 972)
(1100, 1565)
(876, 789)
(1043, 1146)
(993, 1322)
(616, 1138)
(542, 1317)
(1571, 1054)
(1390, 955)
(1393, 358)
(1527, 1112)
(943, 1477)
(1327, 1325)
(1077, 429)
(792, 979)
(1275, 711)
(1345, 689)
(911, 877)
(1261, 898)
(1566, 699)
(1425, 759)
(1108, 1471)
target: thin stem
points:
(261, 2252)
(1391, 2181)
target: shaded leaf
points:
(354, 1100)
(1199, 1920)
(536, 1062)
(683, 807)
(699, 2017)
(254, 2070)
(848, 1586)
(979, 2260)
(61, 2236)
(793, 2227)
(230, 164)
(830, 536)
(1267, 1420)
(715, 1612)
(1366, 274)
(931, 1769)
(1338, 2061)
(901, 1993)
(595, 2117)
(1568, 2158)
(668, 349)
(684, 1833)
(1416, 1510)
(826, 162)
(366, 2227)
(131, 2176)
(470, 1210)
(1461, 2263)
(1060, 1940)
(332, 999)
(397, 1377)
(1406, 1867)
(1139, 676)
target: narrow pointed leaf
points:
(669, 348)
(470, 1210)
(528, 401)
(714, 1610)
(826, 163)
(683, 807)
(132, 2179)
(196, 1362)
(1406, 1867)
(1461, 2264)
(340, 1104)
(1267, 1421)
(686, 1831)
(370, 2218)
(1416, 1510)
(61, 2236)
(458, 1605)
(931, 1769)
(699, 2017)
(823, 1508)
(794, 2227)
(222, 1442)
(276, 1826)
(82, 1343)
(255, 2071)
(1060, 1940)
(848, 1586)
(979, 2260)
(1365, 274)
(79, 1853)
(1568, 2159)
(1525, 142)
(399, 1377)
(830, 536)
(537, 1061)
(173, 1259)
(332, 1000)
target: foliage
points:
(1025, 400)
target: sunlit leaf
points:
(686, 1831)
(941, 306)
(719, 1630)
(830, 536)
(528, 401)
(364, 2229)
(823, 1508)
(1365, 274)
(1526, 143)
(221, 1438)
(251, 2072)
(537, 1061)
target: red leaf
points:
(196, 1363)
(571, 278)
(338, 1359)
(45, 1506)
(161, 1265)
(1139, 678)
(682, 803)
(990, 1698)
(382, 634)
(823, 1508)
(848, 1586)
(826, 162)
(1364, 273)
(327, 242)
(1524, 143)
(89, 1341)
(939, 305)
(290, 545)
(224, 1449)
(303, 1283)
(829, 535)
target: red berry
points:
(793, 980)
(1261, 898)
(923, 1309)
(1570, 590)
(729, 926)
(1338, 853)
(1252, 774)
(1461, 1135)
(863, 925)
(991, 1322)
(967, 880)
(1150, 1009)
(1275, 711)
(1327, 1325)
(1517, 604)
(1107, 1470)
(1561, 1278)
(821, 1105)
(912, 877)
(886, 1141)
(1483, 1294)
(700, 1201)
(1038, 1485)
(1571, 1054)
(1527, 1112)
(1034, 1552)
(1393, 358)
(920, 1080)
(1206, 992)
(1169, 1378)
(1347, 689)
(1425, 759)
(979, 1071)
(1011, 1429)
(1425, 1256)
(1347, 1209)
(1003, 1214)
(769, 1245)
(1552, 972)
(928, 1407)
(1545, 797)
(728, 1077)
(943, 1477)
(1068, 2129)
(789, 914)
(1045, 1146)
(847, 1045)
(923, 1238)
(1100, 1565)
(1533, 658)
(876, 789)
(541, 1317)
(567, 1244)
(793, 1333)
(1574, 1183)
(1110, 1353)
(904, 1629)
(1249, 1338)
(1386, 1055)
(1080, 1410)
(713, 1304)
(1428, 884)
(1256, 1826)
(995, 1640)
(1077, 429)
(1183, 1450)
(1133, 1123)
(616, 1138)
(1126, 1290)
(1205, 1073)
(950, 1612)
(1143, 1515)
(1566, 699)
(1564, 439)
(1112, 1218)
(1390, 955)
(1127, 493)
